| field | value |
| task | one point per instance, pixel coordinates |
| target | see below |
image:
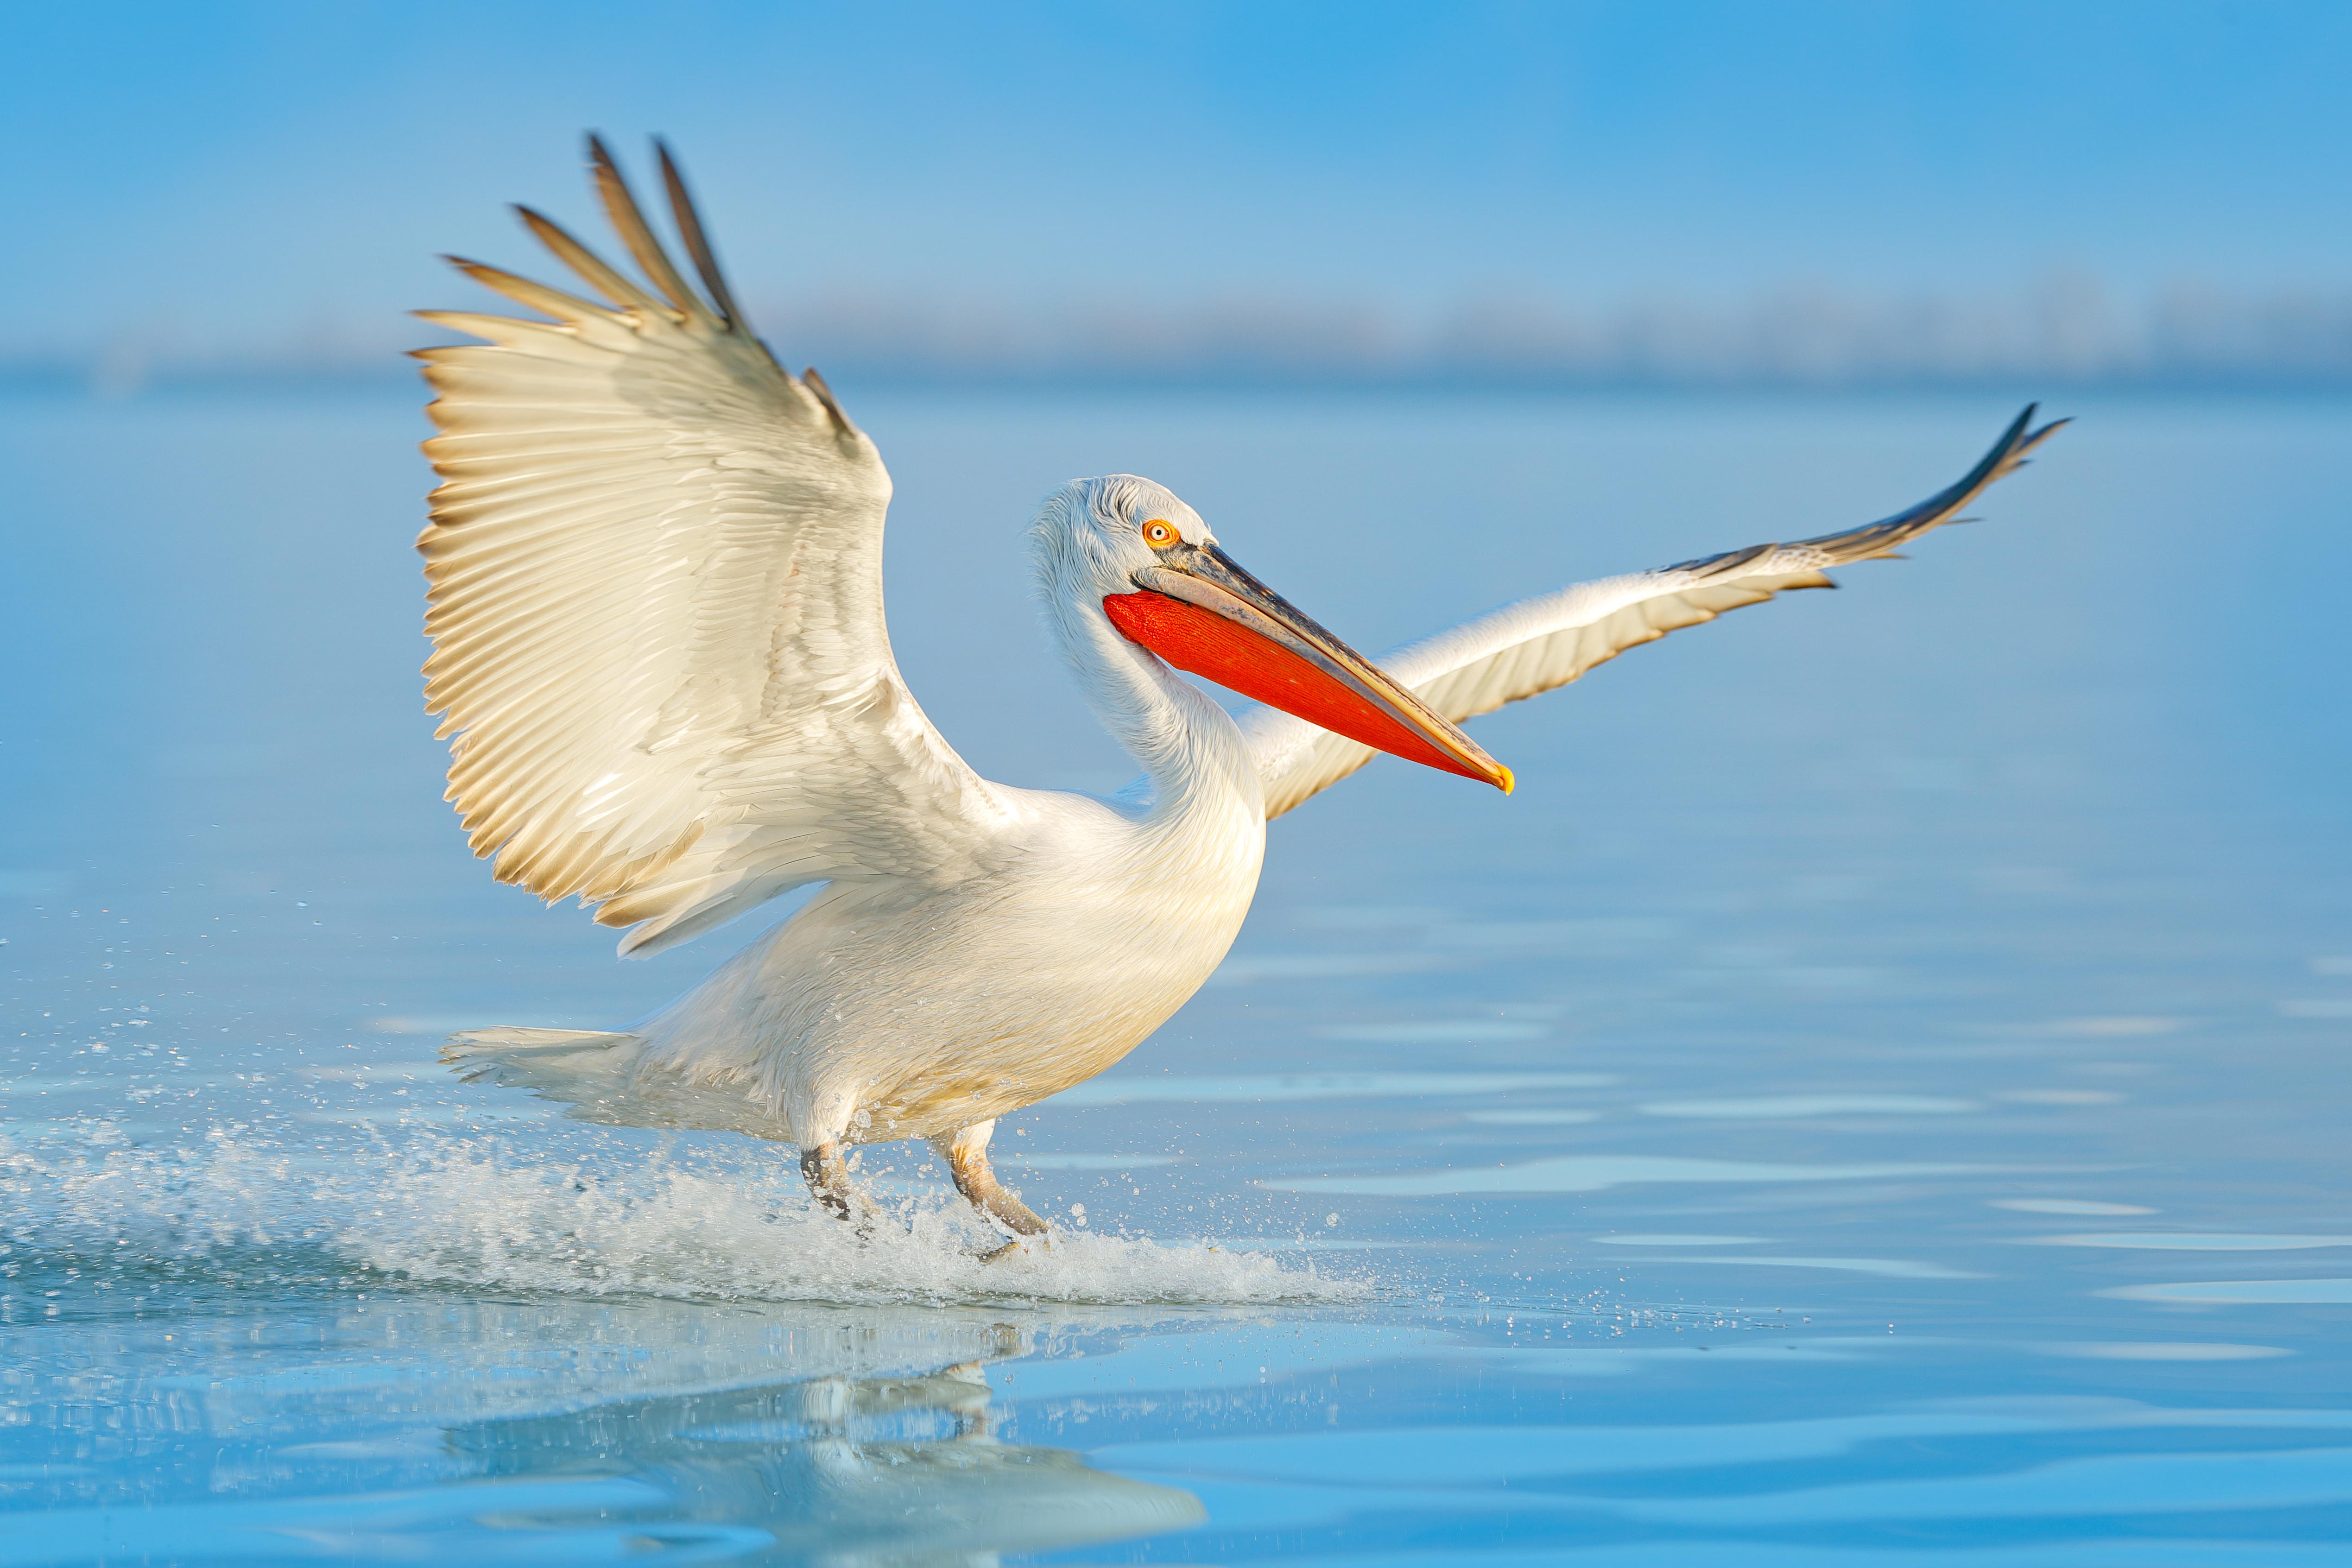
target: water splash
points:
(483, 1211)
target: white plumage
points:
(1534, 645)
(655, 607)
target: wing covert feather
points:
(1537, 644)
(656, 605)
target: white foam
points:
(480, 1212)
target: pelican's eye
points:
(1160, 534)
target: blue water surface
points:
(1877, 1092)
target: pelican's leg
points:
(827, 1175)
(966, 1153)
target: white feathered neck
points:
(1189, 747)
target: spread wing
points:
(1539, 643)
(656, 605)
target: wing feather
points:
(539, 297)
(1539, 643)
(697, 245)
(629, 222)
(656, 605)
(593, 268)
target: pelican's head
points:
(1158, 575)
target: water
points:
(1877, 1092)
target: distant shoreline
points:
(70, 381)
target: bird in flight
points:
(654, 570)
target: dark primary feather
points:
(1877, 540)
(591, 267)
(697, 245)
(1539, 643)
(815, 383)
(629, 221)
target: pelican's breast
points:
(1044, 975)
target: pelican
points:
(654, 570)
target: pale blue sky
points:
(272, 180)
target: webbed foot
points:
(827, 1175)
(966, 1153)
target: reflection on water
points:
(421, 1426)
(806, 1467)
(1779, 1134)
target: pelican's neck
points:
(1191, 748)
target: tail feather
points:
(600, 1075)
(543, 1059)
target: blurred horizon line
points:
(2063, 329)
(23, 378)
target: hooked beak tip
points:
(1509, 782)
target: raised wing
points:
(656, 605)
(1536, 643)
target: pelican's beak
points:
(1199, 611)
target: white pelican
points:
(655, 604)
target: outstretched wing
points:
(656, 605)
(1536, 643)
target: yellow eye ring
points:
(1158, 534)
